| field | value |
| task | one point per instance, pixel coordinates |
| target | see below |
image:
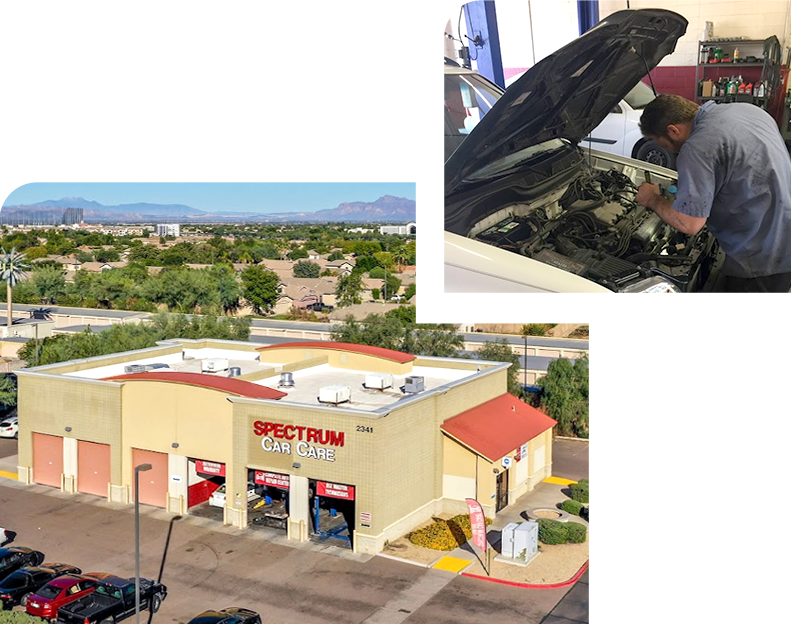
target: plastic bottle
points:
(748, 89)
(736, 54)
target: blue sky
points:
(220, 196)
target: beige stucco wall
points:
(48, 404)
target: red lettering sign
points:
(209, 467)
(335, 490)
(275, 479)
(298, 432)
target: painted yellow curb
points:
(452, 564)
(558, 481)
(9, 475)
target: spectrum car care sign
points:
(308, 442)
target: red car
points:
(60, 591)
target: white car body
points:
(9, 427)
(217, 498)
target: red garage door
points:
(93, 472)
(154, 482)
(47, 459)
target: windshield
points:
(468, 97)
(512, 160)
(48, 592)
(15, 581)
(640, 97)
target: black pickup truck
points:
(113, 601)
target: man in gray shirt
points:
(734, 176)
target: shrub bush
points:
(579, 491)
(552, 531)
(576, 533)
(18, 617)
(572, 507)
(444, 534)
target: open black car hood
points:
(570, 92)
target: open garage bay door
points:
(154, 482)
(204, 478)
(47, 459)
(93, 472)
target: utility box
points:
(507, 540)
(379, 382)
(519, 540)
(335, 394)
(214, 365)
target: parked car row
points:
(63, 593)
(59, 591)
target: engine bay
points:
(596, 229)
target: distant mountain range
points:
(386, 209)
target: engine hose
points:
(643, 257)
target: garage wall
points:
(754, 19)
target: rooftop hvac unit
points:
(378, 382)
(135, 368)
(414, 384)
(156, 366)
(234, 371)
(335, 394)
(214, 365)
(286, 380)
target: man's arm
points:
(648, 195)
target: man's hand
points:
(647, 195)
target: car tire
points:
(156, 602)
(652, 152)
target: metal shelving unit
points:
(770, 67)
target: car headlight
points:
(654, 284)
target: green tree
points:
(335, 255)
(410, 291)
(306, 268)
(439, 340)
(564, 395)
(107, 255)
(500, 351)
(49, 284)
(131, 337)
(12, 267)
(260, 288)
(349, 289)
(296, 254)
(8, 389)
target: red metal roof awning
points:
(495, 428)
(387, 354)
(231, 385)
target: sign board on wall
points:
(274, 479)
(335, 490)
(210, 468)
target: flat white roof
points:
(307, 382)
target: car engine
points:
(598, 231)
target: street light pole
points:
(138, 470)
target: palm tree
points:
(13, 266)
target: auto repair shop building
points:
(394, 438)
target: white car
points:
(530, 209)
(620, 134)
(9, 427)
(217, 498)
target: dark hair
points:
(664, 111)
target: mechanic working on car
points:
(734, 176)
